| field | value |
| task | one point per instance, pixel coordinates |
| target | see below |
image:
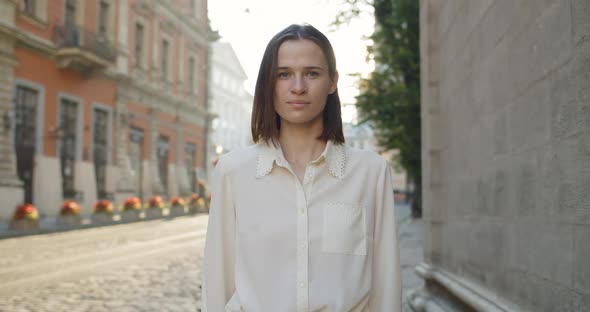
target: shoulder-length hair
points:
(266, 123)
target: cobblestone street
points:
(145, 266)
(136, 276)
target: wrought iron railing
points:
(75, 36)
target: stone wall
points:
(506, 155)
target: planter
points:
(69, 221)
(176, 211)
(102, 218)
(154, 213)
(24, 225)
(192, 209)
(131, 215)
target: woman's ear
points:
(334, 84)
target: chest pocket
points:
(344, 229)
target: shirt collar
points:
(333, 154)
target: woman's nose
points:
(299, 86)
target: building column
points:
(181, 169)
(157, 187)
(126, 185)
(11, 190)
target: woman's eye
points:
(283, 75)
(313, 74)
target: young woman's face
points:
(303, 83)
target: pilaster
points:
(157, 187)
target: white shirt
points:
(275, 244)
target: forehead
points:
(300, 52)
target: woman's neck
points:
(301, 145)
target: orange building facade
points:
(101, 99)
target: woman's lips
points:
(297, 103)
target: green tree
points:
(389, 97)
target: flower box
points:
(177, 207)
(102, 212)
(24, 225)
(25, 218)
(196, 204)
(155, 202)
(154, 213)
(67, 221)
(131, 215)
(102, 218)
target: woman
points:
(299, 222)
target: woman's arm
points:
(218, 267)
(386, 290)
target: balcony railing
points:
(75, 36)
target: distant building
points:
(359, 136)
(101, 99)
(229, 102)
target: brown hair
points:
(266, 123)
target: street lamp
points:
(218, 149)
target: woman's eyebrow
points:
(306, 67)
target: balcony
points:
(81, 49)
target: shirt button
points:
(301, 285)
(302, 245)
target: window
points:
(138, 44)
(191, 75)
(29, 7)
(190, 166)
(70, 13)
(103, 18)
(100, 149)
(68, 125)
(165, 46)
(136, 158)
(25, 129)
(163, 161)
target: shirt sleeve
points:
(386, 288)
(218, 265)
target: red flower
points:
(103, 206)
(177, 201)
(69, 207)
(132, 203)
(26, 211)
(156, 202)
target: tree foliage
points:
(389, 97)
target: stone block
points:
(154, 213)
(580, 20)
(102, 218)
(493, 26)
(543, 249)
(547, 295)
(582, 258)
(131, 215)
(69, 221)
(541, 46)
(24, 225)
(177, 211)
(524, 130)
(547, 194)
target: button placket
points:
(302, 252)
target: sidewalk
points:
(410, 238)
